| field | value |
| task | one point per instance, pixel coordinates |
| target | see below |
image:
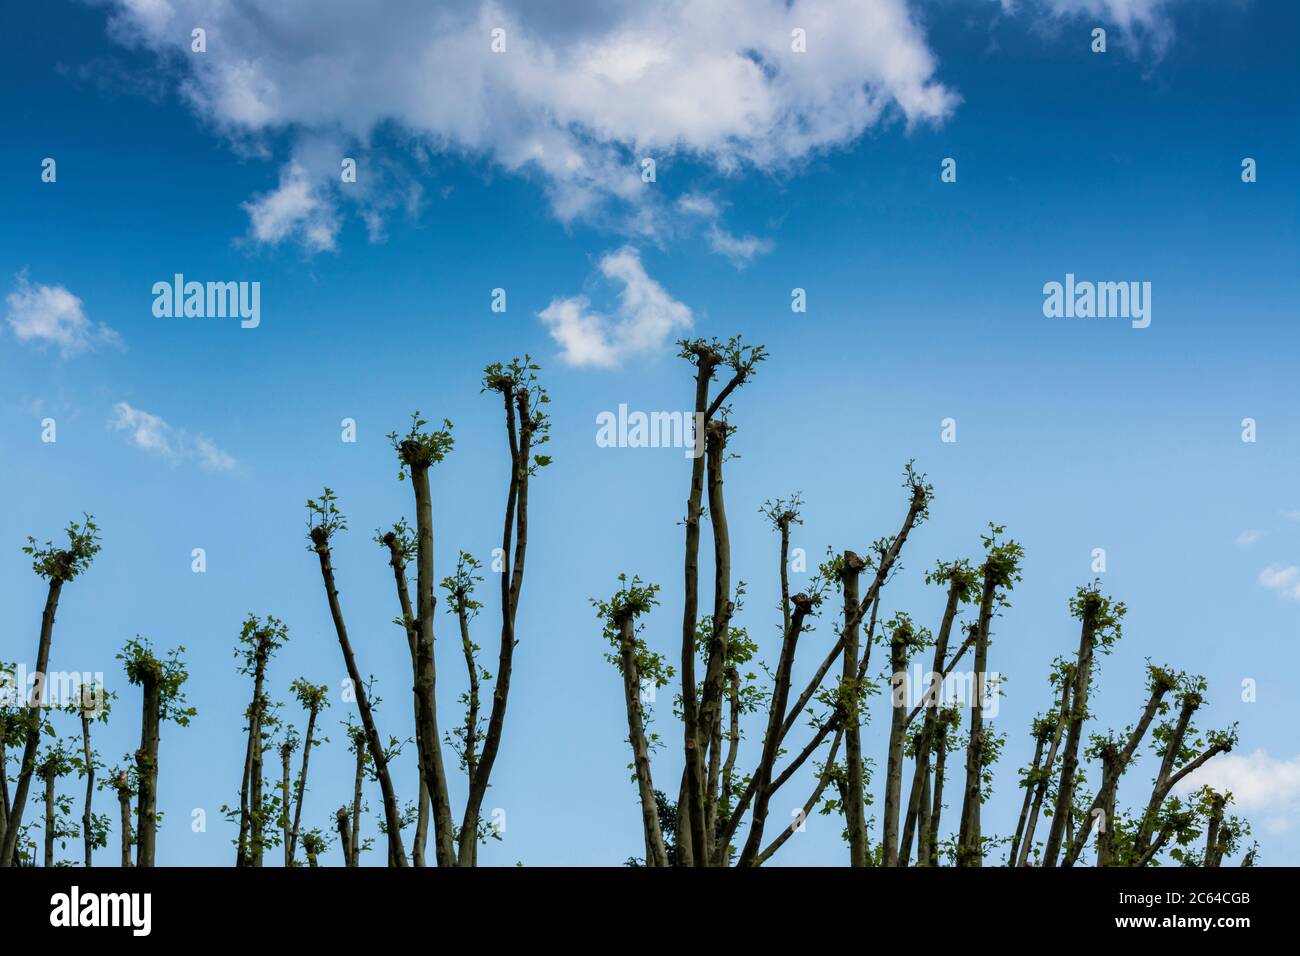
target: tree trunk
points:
(249, 793)
(511, 588)
(428, 738)
(855, 809)
(941, 752)
(1213, 850)
(391, 815)
(356, 806)
(1187, 707)
(1078, 713)
(257, 825)
(924, 808)
(146, 761)
(656, 854)
(970, 849)
(87, 818)
(918, 801)
(472, 706)
(723, 607)
(302, 782)
(345, 836)
(1041, 786)
(1030, 780)
(897, 738)
(409, 623)
(48, 775)
(124, 807)
(27, 765)
(285, 803)
(771, 741)
(692, 808)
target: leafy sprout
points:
(55, 563)
(420, 448)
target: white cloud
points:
(296, 207)
(153, 434)
(1248, 537)
(51, 315)
(1258, 782)
(645, 319)
(1284, 580)
(581, 93)
(1291, 515)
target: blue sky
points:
(924, 303)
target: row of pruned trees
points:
(26, 722)
(274, 779)
(940, 749)
(719, 816)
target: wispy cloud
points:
(1248, 537)
(1142, 24)
(740, 250)
(150, 432)
(1284, 580)
(644, 320)
(51, 315)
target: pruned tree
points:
(961, 581)
(93, 707)
(466, 738)
(418, 450)
(640, 668)
(904, 639)
(313, 698)
(402, 546)
(944, 742)
(695, 845)
(259, 639)
(343, 824)
(1115, 754)
(324, 521)
(314, 843)
(162, 682)
(359, 747)
(288, 746)
(56, 762)
(1100, 627)
(56, 565)
(1000, 572)
(125, 782)
(713, 801)
(1183, 750)
(1047, 730)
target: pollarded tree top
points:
(420, 448)
(63, 564)
(804, 602)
